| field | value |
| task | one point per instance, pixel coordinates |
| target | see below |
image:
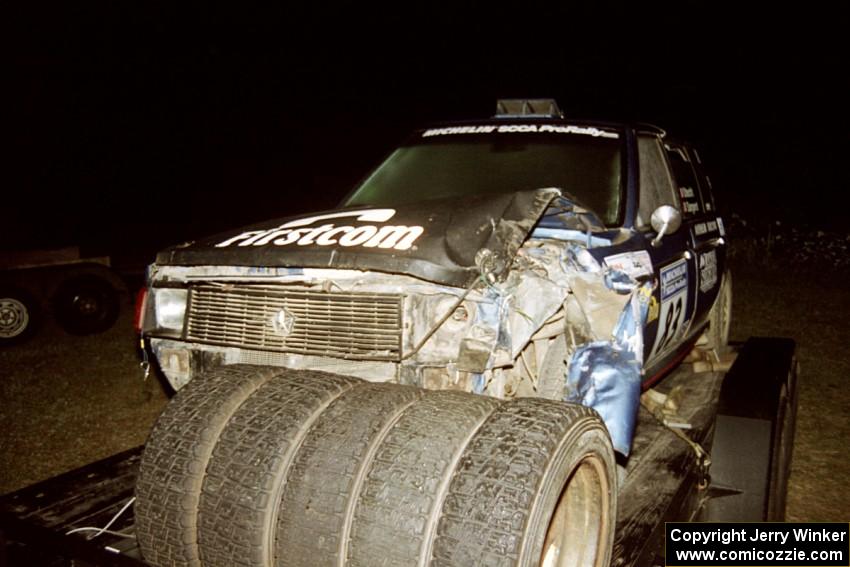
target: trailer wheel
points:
(754, 435)
(175, 458)
(85, 304)
(720, 317)
(18, 315)
(780, 463)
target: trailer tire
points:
(175, 458)
(536, 475)
(754, 434)
(250, 464)
(780, 463)
(85, 304)
(18, 315)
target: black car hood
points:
(432, 240)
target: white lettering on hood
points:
(303, 232)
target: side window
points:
(686, 181)
(704, 183)
(656, 185)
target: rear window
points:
(706, 190)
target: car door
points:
(708, 243)
(672, 305)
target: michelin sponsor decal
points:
(674, 278)
(304, 232)
(521, 128)
(674, 307)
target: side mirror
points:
(665, 220)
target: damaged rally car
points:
(444, 370)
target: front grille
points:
(362, 326)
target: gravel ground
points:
(66, 401)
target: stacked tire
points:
(251, 466)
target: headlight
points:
(169, 310)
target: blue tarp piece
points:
(607, 379)
(606, 375)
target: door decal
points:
(672, 324)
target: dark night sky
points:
(135, 125)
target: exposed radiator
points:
(361, 326)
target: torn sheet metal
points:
(601, 306)
(532, 302)
(628, 333)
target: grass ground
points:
(66, 401)
(812, 306)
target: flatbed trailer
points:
(666, 477)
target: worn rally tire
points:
(400, 503)
(720, 317)
(329, 468)
(175, 458)
(310, 468)
(451, 479)
(538, 474)
(85, 304)
(18, 315)
(246, 474)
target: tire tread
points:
(175, 457)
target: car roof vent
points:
(528, 107)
